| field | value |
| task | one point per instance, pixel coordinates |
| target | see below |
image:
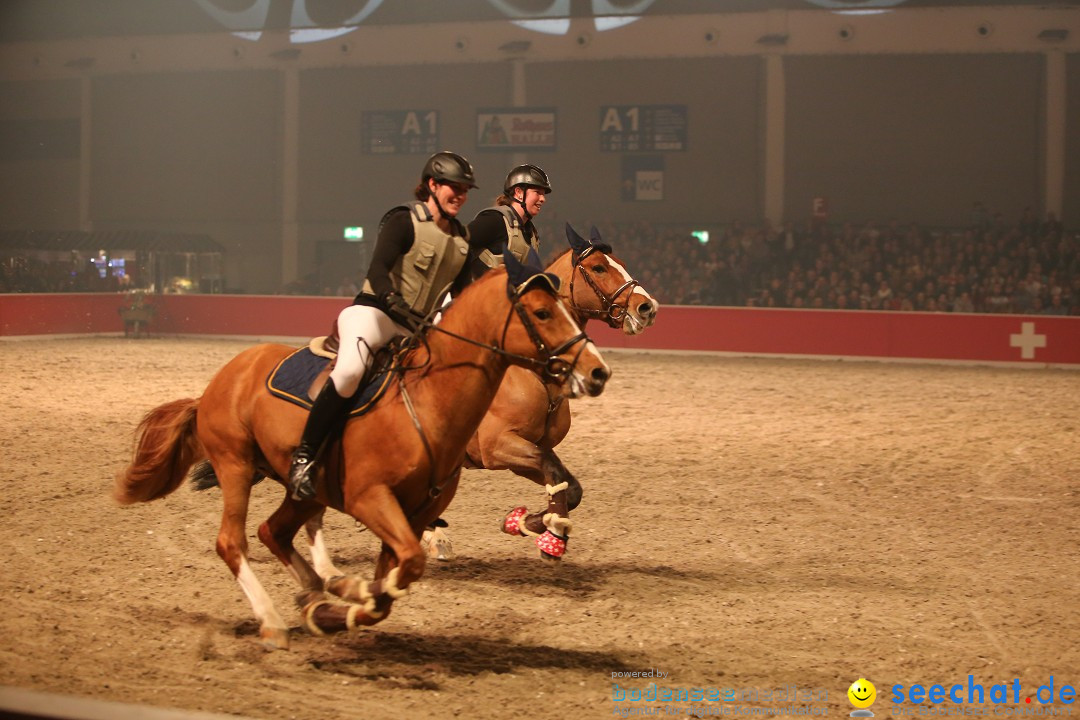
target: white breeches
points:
(362, 330)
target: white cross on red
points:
(1027, 340)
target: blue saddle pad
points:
(293, 376)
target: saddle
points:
(299, 377)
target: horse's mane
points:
(472, 288)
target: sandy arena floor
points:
(747, 524)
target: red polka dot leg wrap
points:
(551, 544)
(512, 522)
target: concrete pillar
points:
(290, 141)
(86, 224)
(518, 95)
(1054, 179)
(774, 139)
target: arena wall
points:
(1035, 340)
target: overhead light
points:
(773, 39)
(516, 46)
(1054, 35)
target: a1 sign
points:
(400, 132)
(643, 128)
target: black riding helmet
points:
(448, 166)
(526, 176)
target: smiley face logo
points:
(862, 695)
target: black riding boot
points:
(325, 413)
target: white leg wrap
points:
(364, 591)
(390, 586)
(370, 611)
(309, 619)
(558, 524)
(552, 489)
(350, 617)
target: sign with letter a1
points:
(400, 132)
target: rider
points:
(509, 222)
(422, 253)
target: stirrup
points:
(300, 487)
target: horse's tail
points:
(165, 448)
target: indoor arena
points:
(773, 305)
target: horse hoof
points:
(551, 546)
(274, 638)
(437, 545)
(550, 559)
(511, 524)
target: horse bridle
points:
(612, 312)
(549, 365)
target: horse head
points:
(542, 334)
(605, 291)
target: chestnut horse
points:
(529, 417)
(400, 461)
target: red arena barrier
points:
(1037, 340)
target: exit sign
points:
(354, 233)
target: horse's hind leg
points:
(320, 556)
(232, 547)
(278, 532)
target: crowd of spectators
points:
(1029, 267)
(1026, 267)
(26, 273)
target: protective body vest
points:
(516, 241)
(425, 273)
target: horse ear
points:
(597, 243)
(519, 276)
(577, 243)
(515, 271)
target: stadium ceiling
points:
(47, 20)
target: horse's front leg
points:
(555, 522)
(550, 528)
(400, 564)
